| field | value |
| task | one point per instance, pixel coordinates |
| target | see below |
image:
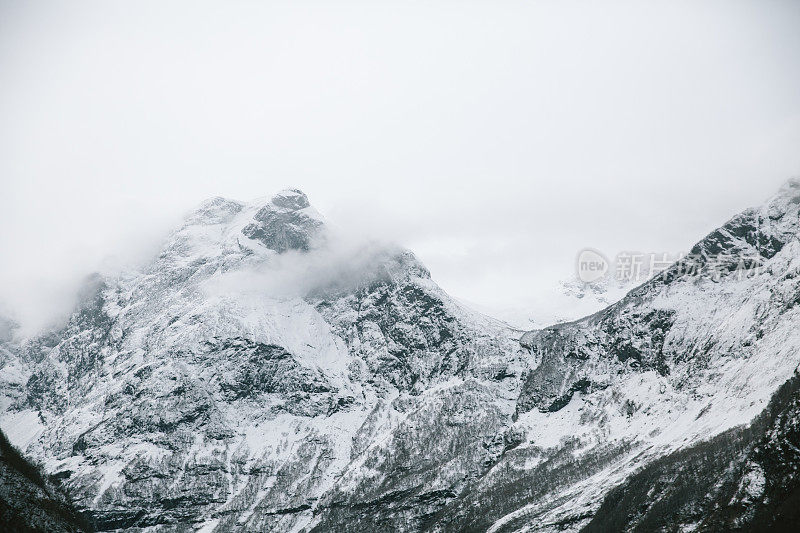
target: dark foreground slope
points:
(746, 479)
(29, 502)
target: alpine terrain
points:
(260, 374)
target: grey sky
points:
(493, 139)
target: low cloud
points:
(48, 264)
(341, 263)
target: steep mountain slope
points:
(29, 502)
(745, 479)
(684, 357)
(260, 374)
(220, 387)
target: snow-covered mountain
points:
(261, 375)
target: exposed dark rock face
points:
(257, 368)
(404, 332)
(283, 224)
(622, 338)
(29, 501)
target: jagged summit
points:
(288, 222)
(285, 222)
(756, 233)
(791, 187)
(292, 199)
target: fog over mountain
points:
(494, 142)
(314, 267)
(258, 374)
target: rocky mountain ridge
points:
(256, 377)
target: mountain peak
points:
(287, 222)
(291, 199)
(791, 186)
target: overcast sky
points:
(495, 139)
